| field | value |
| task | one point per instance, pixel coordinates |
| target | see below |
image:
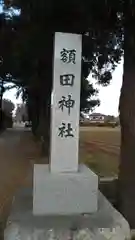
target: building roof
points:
(96, 114)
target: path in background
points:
(18, 153)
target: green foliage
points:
(87, 91)
(100, 124)
(30, 37)
(7, 107)
(6, 121)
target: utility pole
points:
(1, 94)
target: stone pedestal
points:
(64, 193)
(106, 223)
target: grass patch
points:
(104, 164)
(108, 135)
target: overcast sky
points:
(109, 96)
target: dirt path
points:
(18, 153)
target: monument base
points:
(106, 223)
(64, 193)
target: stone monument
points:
(65, 187)
(65, 203)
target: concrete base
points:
(104, 224)
(64, 193)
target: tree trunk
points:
(126, 183)
(2, 124)
(34, 114)
(44, 125)
(40, 123)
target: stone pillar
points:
(65, 187)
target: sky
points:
(11, 94)
(109, 96)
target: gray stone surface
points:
(64, 193)
(105, 224)
(64, 150)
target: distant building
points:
(97, 118)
